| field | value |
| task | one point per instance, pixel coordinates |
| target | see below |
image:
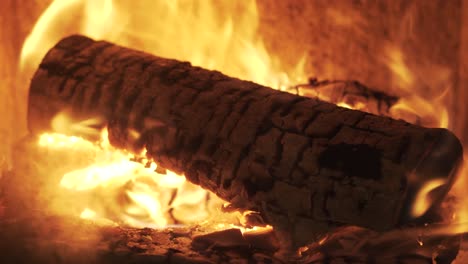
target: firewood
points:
(307, 166)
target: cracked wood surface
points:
(307, 166)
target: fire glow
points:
(135, 193)
(153, 199)
(226, 35)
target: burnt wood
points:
(307, 166)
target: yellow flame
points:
(425, 89)
(88, 214)
(59, 140)
(220, 35)
(345, 105)
(62, 123)
(423, 201)
(420, 103)
(150, 199)
(214, 34)
(255, 229)
(412, 108)
(398, 66)
(113, 189)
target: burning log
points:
(307, 166)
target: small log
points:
(307, 166)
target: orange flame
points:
(220, 35)
(419, 103)
(422, 201)
(130, 192)
(460, 215)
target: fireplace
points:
(84, 184)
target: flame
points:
(424, 90)
(419, 102)
(396, 63)
(422, 200)
(218, 35)
(62, 123)
(121, 190)
(460, 215)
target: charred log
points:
(307, 166)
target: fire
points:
(419, 102)
(423, 202)
(222, 35)
(116, 187)
(460, 215)
(219, 35)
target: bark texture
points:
(305, 165)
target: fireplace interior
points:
(233, 131)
